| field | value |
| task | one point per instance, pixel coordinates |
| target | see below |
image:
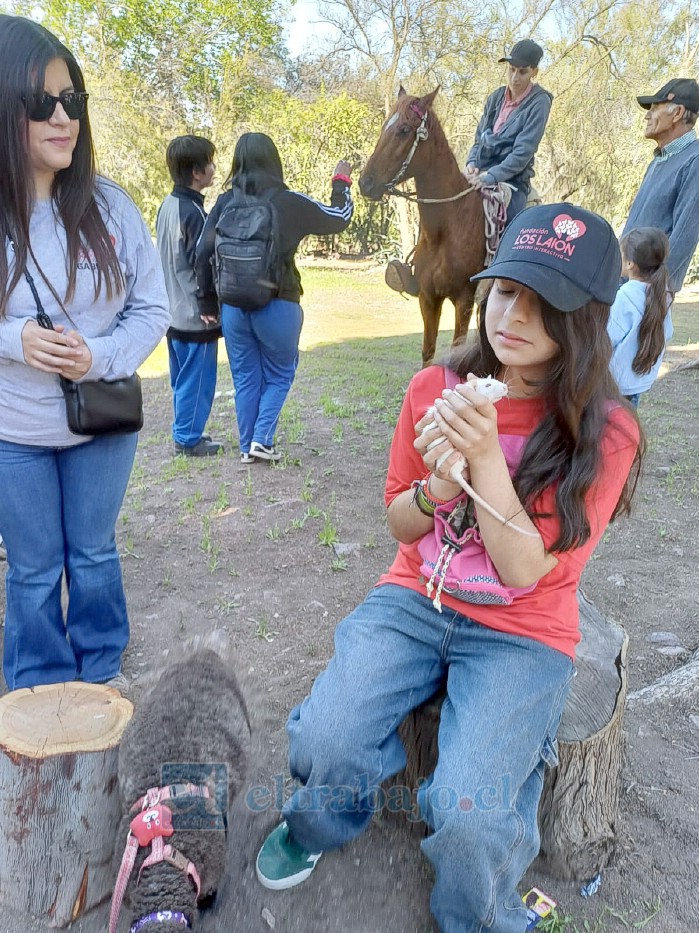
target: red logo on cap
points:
(565, 226)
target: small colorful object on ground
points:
(592, 886)
(539, 905)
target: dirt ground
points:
(276, 556)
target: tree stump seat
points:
(59, 797)
(579, 807)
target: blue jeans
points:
(505, 695)
(633, 399)
(263, 351)
(193, 383)
(58, 512)
(518, 202)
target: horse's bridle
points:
(421, 133)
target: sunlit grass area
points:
(346, 304)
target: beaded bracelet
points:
(425, 501)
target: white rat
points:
(493, 390)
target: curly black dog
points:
(182, 760)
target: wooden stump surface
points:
(59, 801)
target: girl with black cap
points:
(557, 459)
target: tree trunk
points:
(579, 807)
(580, 802)
(59, 800)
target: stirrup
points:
(399, 276)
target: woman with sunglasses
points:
(82, 244)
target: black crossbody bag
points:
(96, 407)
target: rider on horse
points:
(510, 130)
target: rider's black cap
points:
(524, 54)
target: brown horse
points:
(451, 245)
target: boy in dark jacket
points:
(193, 338)
(511, 128)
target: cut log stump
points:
(59, 799)
(578, 814)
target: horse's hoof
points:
(399, 276)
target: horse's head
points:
(386, 164)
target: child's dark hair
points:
(648, 248)
(564, 449)
(185, 154)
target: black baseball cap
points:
(683, 91)
(564, 253)
(525, 53)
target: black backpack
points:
(246, 261)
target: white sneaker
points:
(261, 452)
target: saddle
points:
(400, 275)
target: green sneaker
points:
(282, 863)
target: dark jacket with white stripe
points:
(298, 217)
(178, 226)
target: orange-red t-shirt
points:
(550, 612)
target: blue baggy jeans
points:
(505, 695)
(58, 513)
(263, 351)
(193, 383)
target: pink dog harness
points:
(150, 828)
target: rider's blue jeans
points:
(504, 700)
(58, 512)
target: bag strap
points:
(42, 318)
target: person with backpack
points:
(245, 265)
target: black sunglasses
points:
(42, 106)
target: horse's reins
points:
(420, 134)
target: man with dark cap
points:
(669, 194)
(510, 130)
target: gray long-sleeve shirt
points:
(120, 332)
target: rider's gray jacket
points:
(509, 155)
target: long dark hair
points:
(648, 248)
(26, 48)
(564, 449)
(256, 165)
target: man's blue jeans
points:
(263, 351)
(58, 512)
(505, 695)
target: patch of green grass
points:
(328, 533)
(290, 423)
(222, 500)
(334, 408)
(177, 466)
(248, 487)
